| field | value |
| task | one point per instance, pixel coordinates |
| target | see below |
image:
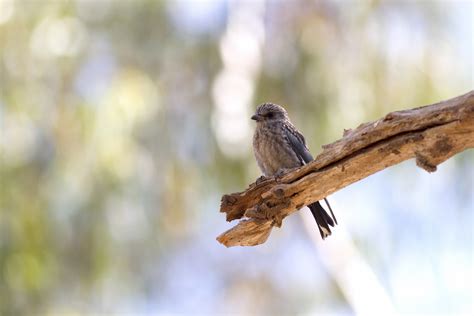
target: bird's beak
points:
(256, 117)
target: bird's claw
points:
(280, 173)
(260, 179)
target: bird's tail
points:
(322, 218)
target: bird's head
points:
(269, 112)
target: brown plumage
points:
(278, 146)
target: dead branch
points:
(430, 134)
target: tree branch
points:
(430, 134)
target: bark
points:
(430, 134)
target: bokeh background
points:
(123, 123)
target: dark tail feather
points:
(322, 219)
(330, 209)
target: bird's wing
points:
(298, 144)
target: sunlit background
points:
(123, 123)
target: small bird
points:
(278, 146)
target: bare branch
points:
(430, 134)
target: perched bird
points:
(279, 146)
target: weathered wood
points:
(430, 134)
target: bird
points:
(279, 146)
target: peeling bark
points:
(430, 134)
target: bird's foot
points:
(260, 179)
(280, 173)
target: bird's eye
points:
(269, 115)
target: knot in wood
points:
(269, 211)
(228, 200)
(424, 163)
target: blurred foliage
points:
(111, 172)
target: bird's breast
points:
(272, 151)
